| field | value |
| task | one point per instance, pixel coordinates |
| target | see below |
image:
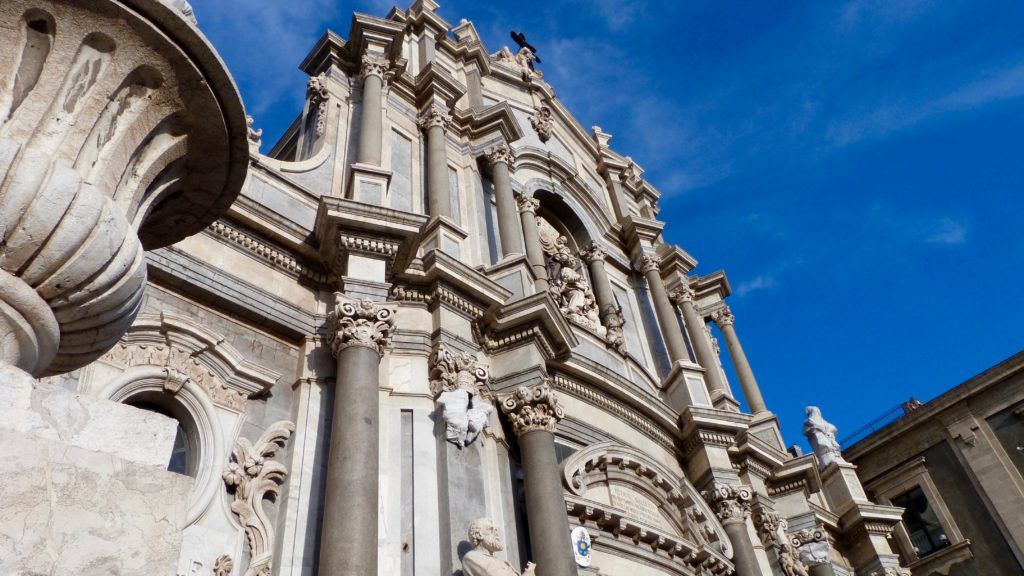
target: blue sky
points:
(856, 167)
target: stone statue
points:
(183, 7)
(481, 561)
(790, 562)
(822, 437)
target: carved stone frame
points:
(914, 474)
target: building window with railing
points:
(923, 527)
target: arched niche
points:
(627, 493)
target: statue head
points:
(483, 532)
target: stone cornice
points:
(795, 473)
(534, 319)
(714, 285)
(344, 226)
(435, 84)
(495, 120)
(448, 279)
(263, 250)
(626, 412)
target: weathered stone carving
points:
(569, 288)
(434, 116)
(528, 204)
(532, 408)
(522, 60)
(481, 561)
(183, 8)
(812, 544)
(682, 294)
(359, 323)
(543, 122)
(891, 571)
(822, 437)
(500, 153)
(182, 366)
(731, 503)
(457, 382)
(723, 317)
(223, 566)
(650, 263)
(255, 136)
(318, 94)
(253, 476)
(772, 530)
(374, 66)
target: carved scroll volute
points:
(359, 323)
(730, 503)
(532, 408)
(452, 371)
(253, 476)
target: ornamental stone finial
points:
(592, 253)
(359, 323)
(650, 263)
(528, 204)
(500, 153)
(683, 294)
(532, 408)
(434, 116)
(723, 317)
(731, 503)
(372, 65)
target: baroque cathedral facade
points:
(435, 329)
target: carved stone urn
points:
(120, 131)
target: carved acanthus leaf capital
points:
(500, 153)
(730, 502)
(723, 317)
(770, 527)
(528, 204)
(682, 294)
(453, 370)
(374, 66)
(532, 408)
(650, 263)
(592, 253)
(434, 116)
(359, 323)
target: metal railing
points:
(892, 415)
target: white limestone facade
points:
(438, 298)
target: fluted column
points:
(534, 413)
(725, 320)
(706, 357)
(650, 266)
(510, 229)
(531, 237)
(371, 125)
(435, 122)
(611, 313)
(359, 331)
(732, 506)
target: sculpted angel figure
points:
(574, 285)
(822, 437)
(481, 561)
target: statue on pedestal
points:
(481, 561)
(822, 437)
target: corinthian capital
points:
(650, 263)
(723, 317)
(532, 408)
(731, 503)
(528, 204)
(434, 116)
(373, 66)
(592, 253)
(359, 323)
(453, 370)
(500, 153)
(682, 294)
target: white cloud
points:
(759, 282)
(947, 231)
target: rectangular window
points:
(926, 533)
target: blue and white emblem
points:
(581, 546)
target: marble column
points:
(731, 504)
(435, 123)
(531, 237)
(371, 123)
(684, 297)
(534, 413)
(359, 332)
(611, 313)
(725, 320)
(650, 266)
(510, 229)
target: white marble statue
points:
(822, 437)
(183, 7)
(481, 561)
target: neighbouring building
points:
(437, 314)
(956, 467)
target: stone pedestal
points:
(84, 484)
